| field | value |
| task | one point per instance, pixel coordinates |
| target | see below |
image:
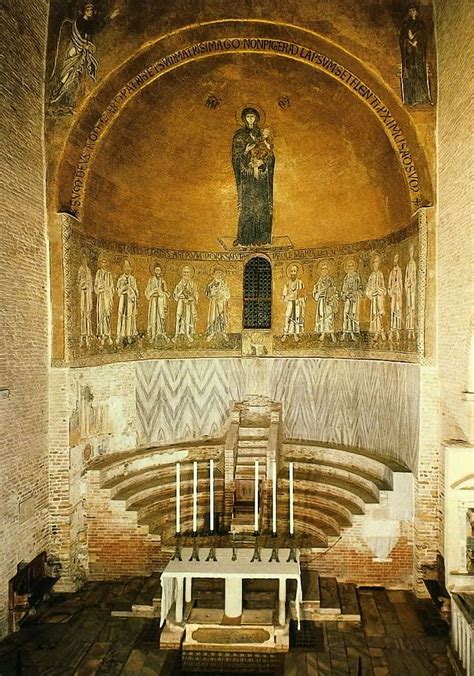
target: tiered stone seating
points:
(331, 483)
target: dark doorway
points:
(258, 294)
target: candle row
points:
(256, 502)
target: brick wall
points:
(117, 546)
(455, 196)
(428, 485)
(23, 293)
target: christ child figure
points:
(261, 151)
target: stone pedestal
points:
(282, 602)
(233, 597)
(179, 600)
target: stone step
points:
(310, 587)
(247, 472)
(252, 453)
(242, 528)
(253, 432)
(329, 596)
(255, 442)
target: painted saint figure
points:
(376, 292)
(410, 293)
(217, 291)
(352, 291)
(294, 297)
(326, 297)
(84, 283)
(253, 161)
(127, 292)
(413, 45)
(79, 55)
(186, 296)
(157, 294)
(104, 291)
(395, 292)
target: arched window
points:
(258, 294)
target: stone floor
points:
(76, 635)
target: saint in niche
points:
(253, 161)
(413, 46)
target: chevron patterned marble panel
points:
(372, 405)
(182, 399)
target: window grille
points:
(258, 294)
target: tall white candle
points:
(292, 516)
(195, 486)
(256, 497)
(211, 495)
(178, 497)
(274, 498)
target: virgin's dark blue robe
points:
(254, 195)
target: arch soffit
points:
(97, 101)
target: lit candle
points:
(211, 495)
(178, 497)
(195, 485)
(256, 497)
(274, 498)
(292, 516)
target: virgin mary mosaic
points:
(253, 161)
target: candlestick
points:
(256, 497)
(292, 516)
(274, 498)
(195, 482)
(178, 498)
(211, 495)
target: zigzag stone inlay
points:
(367, 405)
(184, 399)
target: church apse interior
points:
(236, 377)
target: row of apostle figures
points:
(326, 295)
(185, 294)
(401, 290)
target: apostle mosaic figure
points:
(127, 292)
(410, 294)
(376, 292)
(327, 301)
(186, 296)
(157, 294)
(294, 298)
(84, 284)
(395, 293)
(351, 293)
(217, 291)
(413, 47)
(253, 161)
(104, 291)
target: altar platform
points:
(199, 628)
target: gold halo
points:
(187, 266)
(327, 262)
(292, 265)
(153, 265)
(218, 267)
(238, 114)
(350, 260)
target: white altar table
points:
(178, 573)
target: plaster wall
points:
(24, 520)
